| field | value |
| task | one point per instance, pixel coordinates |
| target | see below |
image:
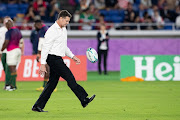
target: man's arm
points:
(5, 45)
(21, 45)
(47, 45)
(69, 53)
(40, 43)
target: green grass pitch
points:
(114, 100)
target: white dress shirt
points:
(55, 43)
(3, 31)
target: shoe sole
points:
(91, 99)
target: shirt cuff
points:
(71, 55)
(43, 62)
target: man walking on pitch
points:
(14, 44)
(53, 49)
(3, 31)
(42, 28)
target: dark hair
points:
(37, 21)
(64, 13)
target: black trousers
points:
(59, 69)
(104, 53)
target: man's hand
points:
(37, 57)
(0, 55)
(77, 60)
(42, 70)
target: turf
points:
(115, 100)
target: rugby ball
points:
(92, 55)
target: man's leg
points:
(6, 69)
(50, 86)
(61, 69)
(105, 61)
(13, 76)
(78, 90)
(99, 61)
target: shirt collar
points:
(57, 26)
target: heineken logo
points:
(151, 68)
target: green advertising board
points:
(151, 67)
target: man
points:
(3, 31)
(41, 29)
(34, 38)
(13, 42)
(53, 49)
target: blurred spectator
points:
(99, 4)
(177, 3)
(87, 19)
(42, 13)
(53, 10)
(152, 9)
(101, 21)
(161, 4)
(146, 3)
(103, 38)
(76, 16)
(158, 19)
(30, 14)
(130, 16)
(171, 4)
(166, 14)
(141, 11)
(178, 22)
(148, 21)
(123, 4)
(177, 11)
(84, 4)
(93, 11)
(110, 3)
(38, 3)
(25, 26)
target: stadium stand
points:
(136, 12)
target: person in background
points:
(103, 47)
(41, 28)
(3, 31)
(87, 19)
(14, 44)
(53, 10)
(34, 38)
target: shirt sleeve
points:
(42, 32)
(69, 53)
(40, 43)
(47, 45)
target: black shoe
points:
(87, 100)
(38, 109)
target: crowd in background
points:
(89, 12)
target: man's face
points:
(6, 20)
(38, 26)
(64, 21)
